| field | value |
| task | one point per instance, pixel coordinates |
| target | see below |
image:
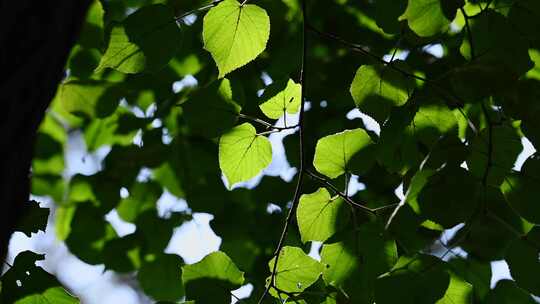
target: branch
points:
(362, 50)
(345, 197)
(444, 93)
(302, 170)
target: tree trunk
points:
(35, 40)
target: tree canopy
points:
(422, 104)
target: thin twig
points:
(238, 300)
(265, 123)
(7, 263)
(197, 10)
(344, 196)
(361, 49)
(268, 132)
(441, 91)
(301, 172)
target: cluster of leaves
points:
(451, 126)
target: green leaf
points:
(91, 35)
(142, 197)
(155, 232)
(166, 176)
(90, 98)
(426, 17)
(522, 258)
(57, 295)
(319, 216)
(459, 292)
(212, 110)
(235, 34)
(376, 89)
(161, 278)
(86, 243)
(476, 273)
(489, 30)
(145, 41)
(397, 148)
(524, 15)
(506, 292)
(341, 262)
(387, 13)
(432, 121)
(439, 201)
(295, 270)
(212, 279)
(521, 190)
(122, 254)
(360, 256)
(276, 104)
(243, 153)
(498, 149)
(406, 283)
(377, 251)
(333, 152)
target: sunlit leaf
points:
(295, 271)
(243, 153)
(426, 17)
(376, 89)
(276, 104)
(319, 216)
(235, 34)
(333, 152)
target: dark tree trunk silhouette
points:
(35, 40)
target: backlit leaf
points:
(295, 271)
(376, 89)
(283, 102)
(426, 17)
(333, 152)
(243, 153)
(319, 216)
(235, 34)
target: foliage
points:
(194, 92)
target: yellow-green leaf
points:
(235, 34)
(243, 153)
